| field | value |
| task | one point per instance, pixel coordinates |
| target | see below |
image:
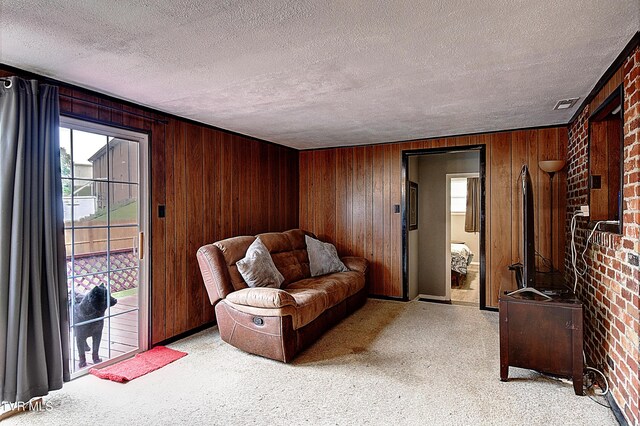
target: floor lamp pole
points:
(551, 167)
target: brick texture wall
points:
(609, 289)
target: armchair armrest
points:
(359, 264)
(261, 297)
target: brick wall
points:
(609, 289)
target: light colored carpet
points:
(389, 363)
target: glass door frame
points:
(144, 194)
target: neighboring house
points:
(122, 159)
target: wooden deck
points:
(121, 331)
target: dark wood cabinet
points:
(542, 334)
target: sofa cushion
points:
(337, 286)
(309, 304)
(323, 258)
(352, 279)
(257, 268)
(335, 291)
(262, 297)
(289, 253)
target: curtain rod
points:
(8, 84)
(75, 98)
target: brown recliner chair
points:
(278, 323)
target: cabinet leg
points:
(504, 372)
(504, 341)
(578, 384)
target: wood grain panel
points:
(158, 233)
(226, 189)
(328, 198)
(378, 228)
(303, 210)
(609, 87)
(396, 220)
(170, 256)
(500, 219)
(376, 232)
(271, 196)
(206, 180)
(180, 181)
(344, 203)
(547, 150)
(359, 245)
(387, 264)
(211, 198)
(194, 224)
(249, 181)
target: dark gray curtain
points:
(34, 323)
(472, 216)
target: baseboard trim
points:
(185, 334)
(382, 297)
(430, 297)
(433, 300)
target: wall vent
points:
(565, 104)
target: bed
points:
(461, 257)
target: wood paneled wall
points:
(611, 85)
(347, 196)
(218, 185)
(215, 185)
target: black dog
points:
(88, 307)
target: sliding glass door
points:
(104, 181)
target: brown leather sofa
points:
(278, 323)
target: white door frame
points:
(143, 220)
(447, 239)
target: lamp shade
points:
(551, 166)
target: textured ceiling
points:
(316, 74)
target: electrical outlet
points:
(633, 259)
(584, 211)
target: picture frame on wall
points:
(413, 206)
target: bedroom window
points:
(458, 195)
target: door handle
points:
(141, 245)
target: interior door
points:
(104, 181)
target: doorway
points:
(427, 247)
(463, 237)
(105, 190)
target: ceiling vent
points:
(565, 104)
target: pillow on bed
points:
(257, 267)
(323, 257)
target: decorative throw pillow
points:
(323, 257)
(257, 267)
